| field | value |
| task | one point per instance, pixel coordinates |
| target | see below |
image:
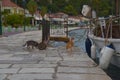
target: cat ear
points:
(71, 38)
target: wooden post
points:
(45, 30)
(0, 18)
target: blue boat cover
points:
(88, 45)
(111, 46)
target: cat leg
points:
(70, 52)
(28, 47)
(24, 45)
(32, 47)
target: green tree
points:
(20, 2)
(104, 9)
(77, 4)
(53, 8)
(70, 10)
(32, 7)
(27, 21)
(4, 14)
(43, 2)
(15, 20)
(60, 4)
(43, 11)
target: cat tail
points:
(24, 44)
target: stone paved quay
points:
(54, 63)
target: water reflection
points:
(79, 36)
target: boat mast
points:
(117, 7)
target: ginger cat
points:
(69, 45)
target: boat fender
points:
(88, 45)
(102, 51)
(107, 54)
(93, 51)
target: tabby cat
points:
(42, 46)
(31, 43)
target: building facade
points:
(11, 8)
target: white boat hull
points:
(100, 43)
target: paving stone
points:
(35, 65)
(77, 70)
(11, 45)
(12, 58)
(82, 57)
(3, 51)
(5, 65)
(75, 49)
(3, 76)
(9, 70)
(32, 58)
(48, 62)
(52, 53)
(69, 58)
(37, 70)
(81, 77)
(31, 77)
(21, 53)
(38, 55)
(5, 56)
(52, 58)
(87, 64)
(18, 61)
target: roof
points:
(58, 15)
(9, 3)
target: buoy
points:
(102, 51)
(93, 51)
(88, 45)
(106, 55)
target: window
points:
(7, 11)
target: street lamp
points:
(66, 24)
(0, 18)
(39, 8)
(24, 3)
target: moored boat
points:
(100, 43)
(104, 31)
(102, 35)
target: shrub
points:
(14, 20)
